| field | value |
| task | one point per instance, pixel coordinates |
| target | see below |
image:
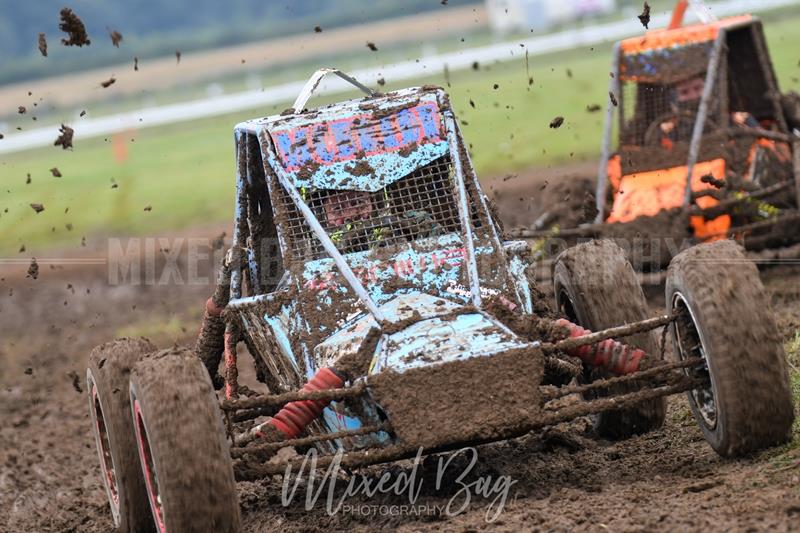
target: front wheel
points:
(596, 287)
(110, 365)
(724, 319)
(182, 447)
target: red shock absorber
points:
(295, 416)
(612, 355)
(231, 369)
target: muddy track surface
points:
(564, 479)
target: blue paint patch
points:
(440, 340)
(433, 265)
(386, 169)
(282, 339)
(351, 337)
(394, 135)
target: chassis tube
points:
(699, 124)
(605, 148)
(463, 209)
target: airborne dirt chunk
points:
(108, 83)
(613, 98)
(43, 44)
(593, 108)
(136, 64)
(33, 269)
(116, 37)
(644, 18)
(372, 46)
(556, 122)
(73, 26)
(55, 172)
(21, 110)
(65, 139)
(37, 207)
(76, 381)
(177, 56)
(318, 29)
(589, 207)
(528, 68)
(714, 182)
(219, 242)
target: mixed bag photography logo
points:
(452, 487)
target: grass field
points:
(185, 173)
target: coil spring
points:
(293, 418)
(610, 354)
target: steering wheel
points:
(681, 119)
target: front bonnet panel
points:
(443, 340)
(354, 336)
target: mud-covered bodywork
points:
(369, 248)
(369, 283)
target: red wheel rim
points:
(104, 450)
(148, 467)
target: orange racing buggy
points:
(707, 147)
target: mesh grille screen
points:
(422, 204)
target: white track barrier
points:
(424, 67)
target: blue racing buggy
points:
(369, 280)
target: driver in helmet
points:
(688, 93)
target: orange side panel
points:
(614, 171)
(710, 230)
(665, 38)
(647, 193)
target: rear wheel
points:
(182, 446)
(109, 405)
(596, 287)
(725, 319)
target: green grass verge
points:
(793, 356)
(185, 172)
(787, 457)
(163, 330)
